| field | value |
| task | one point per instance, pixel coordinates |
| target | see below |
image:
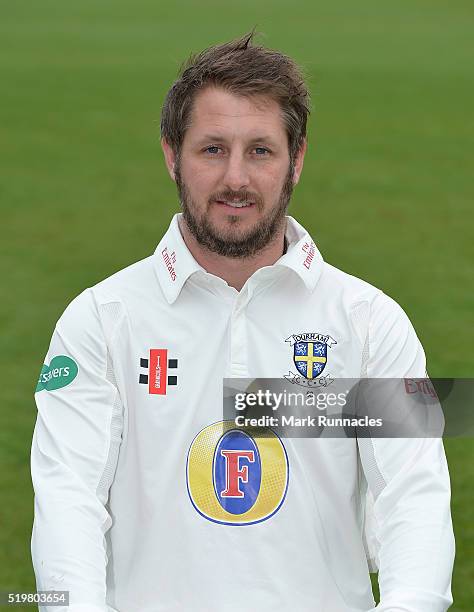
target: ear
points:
(299, 162)
(170, 158)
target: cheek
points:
(200, 180)
(271, 182)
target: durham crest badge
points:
(309, 356)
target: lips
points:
(235, 204)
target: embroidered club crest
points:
(310, 358)
(310, 354)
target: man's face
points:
(234, 175)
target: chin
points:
(234, 227)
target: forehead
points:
(216, 109)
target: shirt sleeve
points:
(408, 482)
(73, 458)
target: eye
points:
(212, 149)
(261, 151)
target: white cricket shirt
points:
(128, 515)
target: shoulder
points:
(343, 283)
(351, 296)
(105, 304)
(354, 291)
(379, 321)
(136, 279)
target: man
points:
(144, 500)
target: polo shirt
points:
(129, 512)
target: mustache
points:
(241, 195)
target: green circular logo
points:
(61, 372)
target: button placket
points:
(238, 336)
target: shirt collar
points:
(302, 255)
(174, 263)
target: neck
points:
(234, 271)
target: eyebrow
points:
(219, 138)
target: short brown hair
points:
(243, 69)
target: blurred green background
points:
(387, 190)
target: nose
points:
(236, 175)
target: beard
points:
(232, 242)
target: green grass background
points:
(387, 190)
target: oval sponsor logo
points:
(61, 372)
(237, 476)
(237, 472)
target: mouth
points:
(234, 205)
